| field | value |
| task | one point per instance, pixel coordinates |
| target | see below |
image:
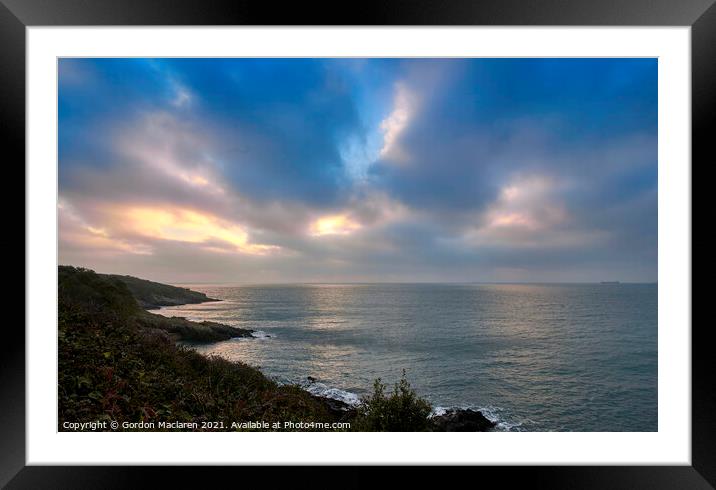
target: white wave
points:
(438, 411)
(260, 334)
(324, 391)
(502, 420)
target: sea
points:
(531, 357)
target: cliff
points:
(152, 295)
(86, 290)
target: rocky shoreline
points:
(179, 328)
(453, 420)
(462, 420)
(158, 329)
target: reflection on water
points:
(539, 357)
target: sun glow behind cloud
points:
(190, 226)
(132, 229)
(338, 224)
(76, 232)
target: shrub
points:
(109, 369)
(82, 290)
(400, 411)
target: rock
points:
(191, 331)
(462, 421)
(341, 411)
(311, 379)
(226, 330)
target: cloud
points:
(78, 235)
(186, 225)
(336, 224)
(530, 213)
(394, 124)
(415, 169)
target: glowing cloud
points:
(396, 122)
(190, 226)
(528, 203)
(75, 231)
(528, 213)
(339, 224)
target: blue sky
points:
(342, 170)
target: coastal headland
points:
(120, 368)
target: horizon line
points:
(289, 283)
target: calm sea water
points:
(547, 357)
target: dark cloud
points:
(472, 132)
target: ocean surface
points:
(533, 357)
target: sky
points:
(359, 170)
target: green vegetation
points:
(82, 290)
(85, 290)
(113, 368)
(152, 295)
(401, 411)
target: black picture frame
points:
(16, 15)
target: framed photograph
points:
(445, 234)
